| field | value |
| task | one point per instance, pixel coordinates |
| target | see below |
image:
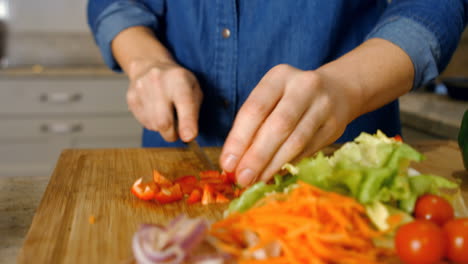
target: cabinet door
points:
(72, 127)
(60, 96)
(30, 156)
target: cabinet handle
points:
(60, 97)
(61, 128)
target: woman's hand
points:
(294, 113)
(156, 89)
(290, 113)
(158, 85)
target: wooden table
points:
(97, 183)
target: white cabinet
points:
(42, 115)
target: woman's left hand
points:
(291, 113)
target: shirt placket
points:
(226, 58)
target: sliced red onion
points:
(144, 252)
(171, 244)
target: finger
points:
(256, 108)
(135, 105)
(157, 107)
(273, 133)
(187, 104)
(305, 139)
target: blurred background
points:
(56, 93)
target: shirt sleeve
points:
(107, 18)
(427, 30)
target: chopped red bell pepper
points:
(208, 194)
(194, 197)
(188, 183)
(225, 188)
(169, 194)
(238, 192)
(209, 174)
(221, 198)
(228, 177)
(398, 138)
(160, 180)
(143, 191)
(188, 179)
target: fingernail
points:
(245, 177)
(186, 134)
(229, 163)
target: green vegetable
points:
(250, 197)
(373, 183)
(373, 169)
(257, 191)
(463, 139)
(379, 213)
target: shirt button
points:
(226, 33)
(226, 103)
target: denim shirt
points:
(230, 44)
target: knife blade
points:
(205, 160)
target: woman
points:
(279, 79)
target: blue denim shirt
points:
(263, 33)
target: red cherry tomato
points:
(420, 242)
(457, 235)
(434, 208)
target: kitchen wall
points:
(48, 32)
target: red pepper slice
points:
(188, 183)
(398, 138)
(208, 195)
(224, 188)
(228, 177)
(195, 197)
(209, 174)
(238, 192)
(160, 180)
(221, 198)
(188, 179)
(169, 194)
(143, 191)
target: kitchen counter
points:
(19, 198)
(434, 114)
(59, 72)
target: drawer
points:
(71, 127)
(42, 95)
(30, 157)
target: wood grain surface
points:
(97, 183)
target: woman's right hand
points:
(158, 85)
(156, 90)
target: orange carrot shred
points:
(310, 224)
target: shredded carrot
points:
(311, 225)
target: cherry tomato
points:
(420, 242)
(457, 235)
(434, 208)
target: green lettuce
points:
(373, 169)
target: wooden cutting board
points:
(97, 183)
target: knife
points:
(206, 162)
